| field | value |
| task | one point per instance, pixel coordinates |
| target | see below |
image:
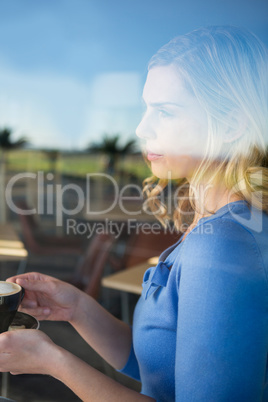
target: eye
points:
(164, 113)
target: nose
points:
(145, 129)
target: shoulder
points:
(229, 242)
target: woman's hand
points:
(27, 351)
(47, 298)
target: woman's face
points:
(174, 126)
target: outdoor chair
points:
(143, 245)
(64, 249)
(90, 269)
(38, 242)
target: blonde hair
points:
(226, 69)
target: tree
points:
(6, 142)
(110, 146)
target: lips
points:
(153, 157)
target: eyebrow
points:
(159, 104)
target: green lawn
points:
(77, 164)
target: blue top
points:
(200, 330)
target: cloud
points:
(57, 111)
(49, 109)
(115, 105)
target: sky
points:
(73, 70)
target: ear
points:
(236, 126)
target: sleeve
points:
(131, 369)
(222, 335)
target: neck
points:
(210, 199)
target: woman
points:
(200, 330)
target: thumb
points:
(35, 285)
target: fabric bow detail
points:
(155, 277)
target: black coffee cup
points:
(11, 295)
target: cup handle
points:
(22, 294)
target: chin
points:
(164, 173)
(159, 170)
(179, 167)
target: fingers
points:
(40, 313)
(35, 284)
(34, 276)
(31, 307)
(24, 351)
(23, 276)
(28, 303)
